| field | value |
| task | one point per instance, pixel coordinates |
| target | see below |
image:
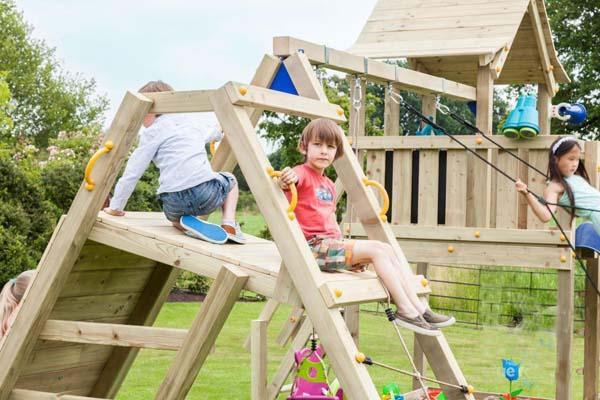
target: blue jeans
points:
(198, 200)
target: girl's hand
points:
(520, 186)
(288, 176)
(116, 213)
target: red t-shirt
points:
(316, 203)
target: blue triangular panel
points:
(282, 81)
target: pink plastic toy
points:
(311, 381)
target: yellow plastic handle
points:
(213, 148)
(384, 196)
(272, 173)
(89, 182)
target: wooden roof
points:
(451, 38)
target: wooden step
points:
(22, 394)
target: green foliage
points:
(194, 283)
(576, 28)
(45, 99)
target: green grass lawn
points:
(226, 373)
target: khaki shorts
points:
(334, 254)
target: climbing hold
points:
(450, 249)
(478, 140)
(360, 357)
(498, 69)
(477, 234)
(470, 389)
(507, 48)
(338, 292)
(424, 282)
(562, 238)
(551, 68)
(293, 320)
(340, 111)
(563, 259)
(243, 90)
(573, 254)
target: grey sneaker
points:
(234, 233)
(417, 325)
(438, 320)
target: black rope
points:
(538, 197)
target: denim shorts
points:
(198, 200)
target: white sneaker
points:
(234, 233)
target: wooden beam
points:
(145, 313)
(258, 359)
(373, 70)
(143, 337)
(180, 101)
(538, 33)
(304, 79)
(444, 142)
(591, 351)
(214, 311)
(418, 355)
(266, 314)
(544, 106)
(24, 394)
(61, 253)
(272, 100)
(290, 325)
(564, 333)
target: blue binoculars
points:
(523, 121)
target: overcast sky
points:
(190, 44)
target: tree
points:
(576, 27)
(45, 99)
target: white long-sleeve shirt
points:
(177, 145)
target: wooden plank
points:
(24, 394)
(456, 188)
(51, 356)
(352, 318)
(591, 352)
(204, 331)
(428, 187)
(478, 190)
(290, 325)
(538, 34)
(446, 143)
(544, 105)
(468, 234)
(418, 355)
(86, 283)
(258, 360)
(272, 100)
(180, 101)
(592, 162)
(564, 333)
(95, 307)
(145, 313)
(75, 380)
(391, 114)
(289, 238)
(375, 71)
(60, 255)
(537, 184)
(304, 79)
(402, 187)
(376, 170)
(224, 160)
(285, 292)
(507, 200)
(142, 337)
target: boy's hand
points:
(116, 213)
(520, 186)
(288, 176)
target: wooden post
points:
(544, 108)
(479, 174)
(352, 317)
(221, 298)
(418, 355)
(564, 333)
(591, 351)
(258, 364)
(62, 251)
(266, 314)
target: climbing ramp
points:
(102, 280)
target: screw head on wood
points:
(477, 234)
(243, 90)
(424, 282)
(450, 249)
(478, 140)
(338, 292)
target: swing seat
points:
(586, 237)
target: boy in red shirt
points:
(321, 144)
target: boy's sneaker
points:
(200, 229)
(438, 320)
(417, 325)
(234, 233)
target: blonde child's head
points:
(10, 298)
(156, 86)
(325, 131)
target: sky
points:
(189, 44)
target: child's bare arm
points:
(551, 194)
(288, 176)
